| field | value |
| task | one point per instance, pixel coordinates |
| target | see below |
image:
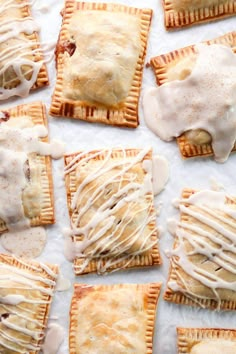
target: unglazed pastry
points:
(206, 341)
(26, 179)
(110, 201)
(202, 271)
(205, 124)
(100, 62)
(113, 318)
(26, 293)
(183, 13)
(21, 61)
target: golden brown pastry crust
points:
(148, 258)
(178, 14)
(141, 300)
(126, 113)
(189, 337)
(39, 311)
(42, 78)
(202, 296)
(163, 67)
(37, 112)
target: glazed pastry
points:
(22, 65)
(203, 125)
(183, 13)
(26, 179)
(110, 202)
(120, 318)
(202, 271)
(206, 341)
(26, 293)
(100, 62)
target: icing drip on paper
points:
(62, 283)
(212, 238)
(54, 338)
(20, 309)
(204, 100)
(119, 201)
(27, 243)
(18, 139)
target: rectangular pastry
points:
(178, 65)
(26, 293)
(22, 66)
(206, 340)
(202, 271)
(100, 62)
(26, 182)
(183, 13)
(113, 318)
(110, 202)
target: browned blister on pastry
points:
(100, 62)
(26, 293)
(206, 340)
(110, 202)
(183, 13)
(178, 65)
(202, 270)
(26, 183)
(22, 66)
(113, 318)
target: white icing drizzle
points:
(21, 318)
(96, 240)
(17, 52)
(203, 100)
(213, 238)
(16, 143)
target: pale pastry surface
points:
(120, 319)
(100, 63)
(107, 50)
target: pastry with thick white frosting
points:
(113, 318)
(100, 62)
(195, 101)
(26, 177)
(206, 341)
(110, 202)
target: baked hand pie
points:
(100, 62)
(26, 177)
(26, 294)
(206, 341)
(205, 72)
(202, 271)
(22, 66)
(110, 202)
(183, 13)
(113, 318)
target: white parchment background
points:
(195, 173)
